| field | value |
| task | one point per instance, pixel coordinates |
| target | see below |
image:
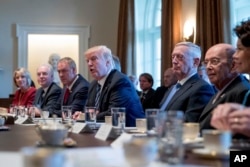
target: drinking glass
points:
(22, 111)
(119, 117)
(12, 108)
(90, 116)
(171, 149)
(66, 113)
(151, 116)
(31, 111)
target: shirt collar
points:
(71, 85)
(182, 82)
(102, 81)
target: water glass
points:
(66, 113)
(32, 111)
(118, 117)
(45, 114)
(151, 115)
(90, 115)
(12, 109)
(171, 149)
(22, 111)
(160, 124)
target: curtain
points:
(170, 31)
(209, 24)
(126, 37)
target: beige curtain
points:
(209, 26)
(170, 30)
(126, 37)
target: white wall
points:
(100, 15)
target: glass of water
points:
(118, 117)
(90, 116)
(66, 113)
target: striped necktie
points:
(97, 97)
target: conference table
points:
(20, 136)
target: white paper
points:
(104, 132)
(81, 127)
(11, 159)
(94, 157)
(21, 120)
(118, 143)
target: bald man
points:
(169, 79)
(231, 86)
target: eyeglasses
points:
(213, 61)
(178, 57)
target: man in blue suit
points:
(116, 88)
(191, 93)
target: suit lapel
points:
(221, 98)
(184, 88)
(106, 86)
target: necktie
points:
(143, 96)
(42, 97)
(170, 96)
(66, 96)
(98, 94)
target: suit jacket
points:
(158, 96)
(77, 97)
(191, 98)
(234, 92)
(50, 98)
(117, 91)
(146, 103)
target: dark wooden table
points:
(22, 136)
(25, 136)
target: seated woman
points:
(25, 94)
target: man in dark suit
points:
(146, 95)
(75, 91)
(169, 79)
(232, 86)
(116, 88)
(191, 93)
(49, 92)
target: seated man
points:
(49, 92)
(147, 94)
(75, 91)
(116, 90)
(169, 80)
(231, 86)
(191, 93)
(232, 116)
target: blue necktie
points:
(170, 96)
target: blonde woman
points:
(25, 94)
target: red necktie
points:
(66, 96)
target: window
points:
(148, 38)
